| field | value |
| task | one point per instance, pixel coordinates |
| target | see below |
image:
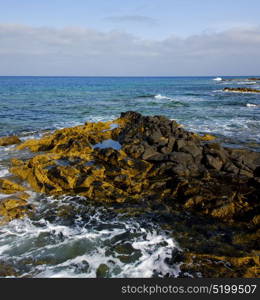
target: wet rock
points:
(14, 207)
(156, 155)
(192, 149)
(241, 90)
(176, 257)
(9, 187)
(207, 137)
(257, 172)
(213, 162)
(169, 147)
(102, 271)
(9, 140)
(7, 270)
(128, 259)
(149, 152)
(126, 248)
(209, 266)
(82, 267)
(155, 137)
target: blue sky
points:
(66, 32)
(161, 18)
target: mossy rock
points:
(102, 271)
(9, 187)
(9, 140)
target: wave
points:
(252, 105)
(161, 97)
(157, 97)
(217, 79)
(247, 82)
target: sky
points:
(129, 38)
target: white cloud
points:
(132, 19)
(26, 50)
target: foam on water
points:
(3, 172)
(246, 82)
(56, 249)
(161, 97)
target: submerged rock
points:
(7, 270)
(102, 271)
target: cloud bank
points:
(26, 50)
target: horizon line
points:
(127, 76)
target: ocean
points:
(32, 104)
(43, 245)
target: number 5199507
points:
(234, 289)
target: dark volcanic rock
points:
(218, 178)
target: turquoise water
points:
(29, 104)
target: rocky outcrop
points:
(253, 78)
(220, 266)
(14, 207)
(158, 159)
(9, 187)
(241, 79)
(142, 159)
(9, 140)
(241, 90)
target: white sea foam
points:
(240, 92)
(217, 79)
(152, 257)
(217, 91)
(67, 250)
(91, 118)
(3, 196)
(3, 172)
(246, 82)
(161, 97)
(252, 105)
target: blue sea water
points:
(32, 104)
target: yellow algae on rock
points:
(208, 137)
(13, 207)
(222, 266)
(70, 140)
(72, 165)
(9, 187)
(9, 140)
